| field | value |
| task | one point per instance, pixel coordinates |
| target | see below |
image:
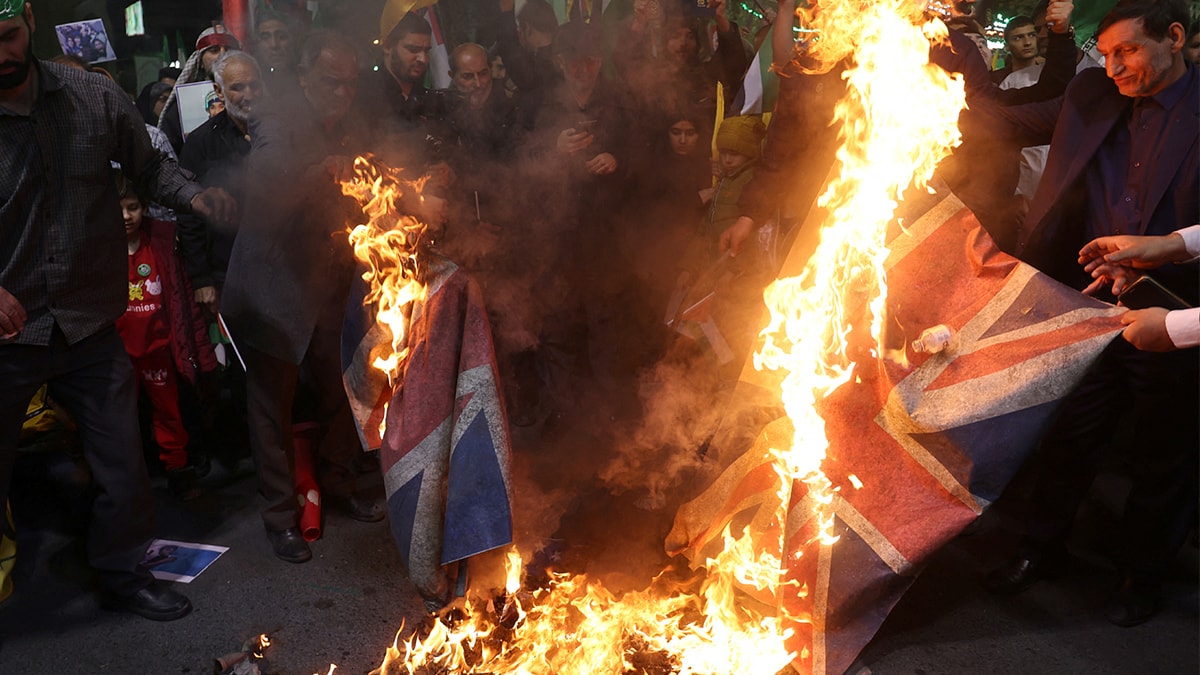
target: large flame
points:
(577, 627)
(389, 245)
(898, 120)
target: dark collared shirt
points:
(1121, 175)
(399, 124)
(387, 97)
(62, 241)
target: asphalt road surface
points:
(346, 605)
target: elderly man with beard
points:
(288, 281)
(487, 231)
(480, 118)
(210, 46)
(216, 153)
(63, 285)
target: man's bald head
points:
(471, 73)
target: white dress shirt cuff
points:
(1191, 240)
(1183, 326)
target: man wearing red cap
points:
(212, 43)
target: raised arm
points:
(783, 42)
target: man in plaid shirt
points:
(62, 286)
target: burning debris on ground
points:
(575, 483)
(249, 660)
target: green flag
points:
(1086, 19)
(760, 86)
(11, 9)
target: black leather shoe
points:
(1135, 602)
(1019, 573)
(200, 463)
(364, 509)
(289, 545)
(182, 484)
(157, 602)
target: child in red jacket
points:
(162, 331)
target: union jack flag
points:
(445, 447)
(932, 442)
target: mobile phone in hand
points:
(1147, 292)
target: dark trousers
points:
(270, 393)
(93, 380)
(1162, 393)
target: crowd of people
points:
(578, 175)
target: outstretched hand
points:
(215, 205)
(734, 236)
(1118, 276)
(648, 15)
(341, 167)
(1115, 259)
(1133, 251)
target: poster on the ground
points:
(180, 561)
(86, 39)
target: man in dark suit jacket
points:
(289, 278)
(1123, 160)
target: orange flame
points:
(264, 641)
(898, 120)
(513, 566)
(389, 244)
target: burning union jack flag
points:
(445, 447)
(918, 446)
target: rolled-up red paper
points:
(304, 441)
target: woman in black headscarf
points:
(152, 100)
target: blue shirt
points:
(1122, 171)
